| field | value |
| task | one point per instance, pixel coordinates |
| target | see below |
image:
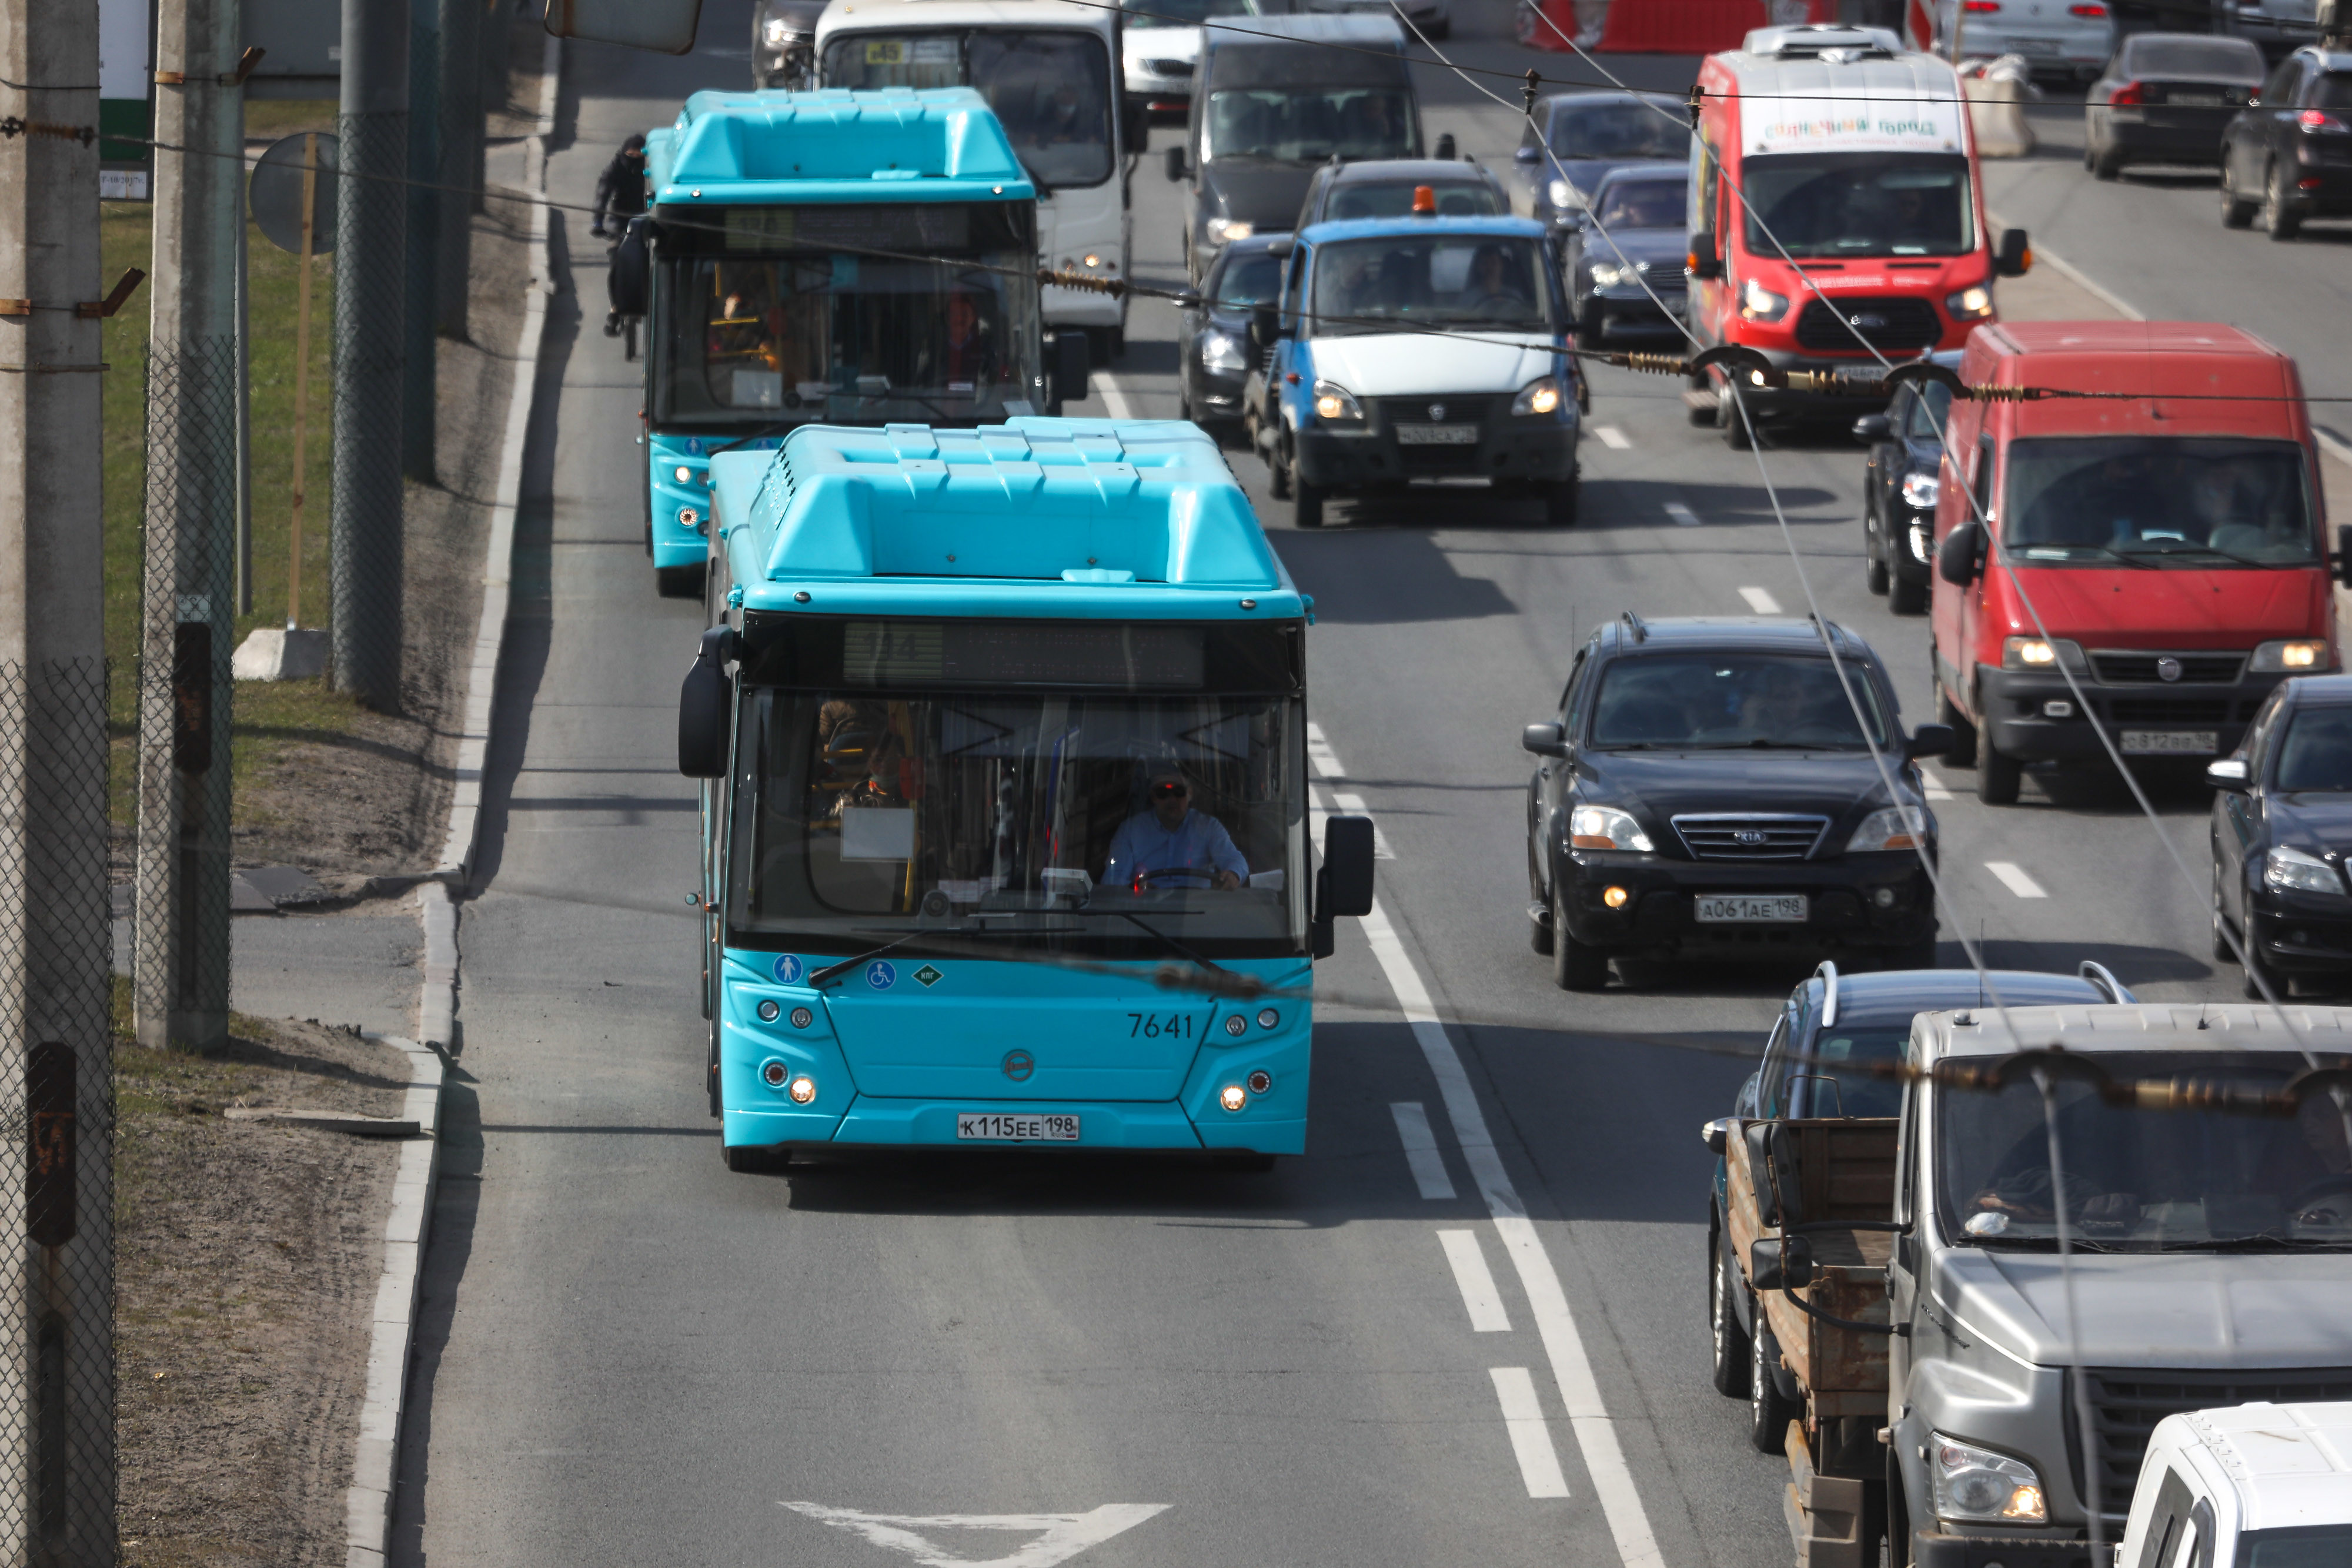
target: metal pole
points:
(56, 1202)
(370, 245)
(181, 951)
(422, 274)
(244, 406)
(461, 133)
(301, 382)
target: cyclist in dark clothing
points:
(621, 188)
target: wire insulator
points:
(14, 126)
(1069, 277)
(1651, 365)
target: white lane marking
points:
(1681, 514)
(1587, 1417)
(1114, 399)
(1060, 1536)
(1354, 804)
(1761, 601)
(2012, 877)
(1523, 1418)
(1932, 785)
(1476, 1283)
(1421, 1154)
(1319, 755)
(1611, 438)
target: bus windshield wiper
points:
(760, 434)
(817, 981)
(1167, 941)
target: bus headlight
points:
(1337, 403)
(1236, 1025)
(803, 1089)
(1539, 396)
(770, 1010)
(685, 475)
(1233, 1097)
(2309, 655)
(1973, 1483)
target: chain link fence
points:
(56, 1095)
(180, 956)
(370, 289)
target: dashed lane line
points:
(1476, 1284)
(1530, 1434)
(1114, 397)
(2012, 877)
(1422, 1156)
(1761, 601)
(1611, 438)
(1681, 514)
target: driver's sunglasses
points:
(1169, 791)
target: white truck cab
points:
(2253, 1485)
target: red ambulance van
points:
(2173, 543)
(1858, 166)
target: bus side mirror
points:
(1263, 329)
(703, 708)
(1176, 165)
(1706, 261)
(1343, 883)
(2015, 258)
(1072, 365)
(1137, 124)
(624, 280)
(1957, 556)
(1779, 1263)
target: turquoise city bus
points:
(836, 257)
(1007, 814)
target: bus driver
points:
(1173, 844)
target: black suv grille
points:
(2136, 669)
(1900, 322)
(1422, 410)
(1749, 837)
(2170, 710)
(2126, 1405)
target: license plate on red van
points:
(2169, 742)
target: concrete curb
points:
(369, 1506)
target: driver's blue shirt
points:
(1144, 843)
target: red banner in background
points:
(1673, 26)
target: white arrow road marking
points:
(1611, 438)
(1523, 1418)
(1476, 1283)
(1681, 514)
(1421, 1153)
(1761, 601)
(2012, 877)
(1060, 1536)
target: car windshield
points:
(1617, 129)
(2317, 752)
(1393, 199)
(1306, 126)
(2199, 60)
(1859, 203)
(2201, 502)
(1361, 284)
(1641, 204)
(1061, 818)
(1184, 13)
(1817, 1088)
(2133, 1181)
(1252, 280)
(1707, 701)
(2309, 1546)
(1050, 88)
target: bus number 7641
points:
(1151, 1025)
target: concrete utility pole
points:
(461, 135)
(181, 953)
(426, 68)
(371, 253)
(57, 1083)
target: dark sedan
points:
(2288, 156)
(2281, 825)
(1384, 188)
(2165, 98)
(1899, 488)
(1588, 134)
(1625, 256)
(1707, 788)
(1212, 341)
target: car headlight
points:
(2039, 653)
(776, 32)
(1973, 303)
(1757, 303)
(1562, 194)
(1336, 403)
(1892, 827)
(1537, 397)
(2303, 654)
(1606, 275)
(1976, 1484)
(1919, 551)
(1225, 230)
(2295, 870)
(1606, 828)
(1220, 352)
(1920, 490)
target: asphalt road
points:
(630, 1357)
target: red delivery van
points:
(2174, 544)
(1856, 160)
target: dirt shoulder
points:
(246, 1257)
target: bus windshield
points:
(1092, 821)
(2201, 502)
(1361, 285)
(1050, 88)
(780, 327)
(1859, 203)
